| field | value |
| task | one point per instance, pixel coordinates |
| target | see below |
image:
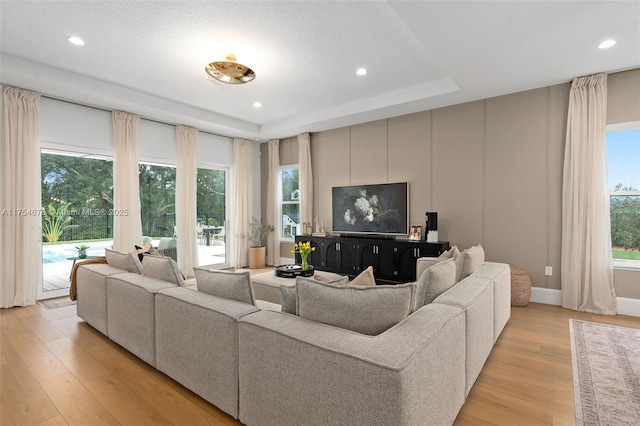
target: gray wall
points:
(492, 169)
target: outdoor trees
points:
(625, 219)
(211, 197)
(157, 199)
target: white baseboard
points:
(626, 306)
(546, 295)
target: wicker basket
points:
(520, 287)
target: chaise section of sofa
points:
(475, 297)
(91, 294)
(131, 313)
(197, 343)
(500, 275)
(295, 371)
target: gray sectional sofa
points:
(275, 368)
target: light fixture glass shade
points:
(230, 72)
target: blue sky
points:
(624, 158)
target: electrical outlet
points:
(548, 271)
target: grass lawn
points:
(626, 254)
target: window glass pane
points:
(290, 185)
(157, 200)
(211, 214)
(211, 197)
(290, 220)
(624, 184)
(83, 189)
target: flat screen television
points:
(371, 209)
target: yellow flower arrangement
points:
(304, 249)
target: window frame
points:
(628, 264)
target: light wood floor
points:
(56, 370)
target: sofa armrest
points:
(407, 375)
(422, 263)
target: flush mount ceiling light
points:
(257, 104)
(361, 71)
(607, 44)
(76, 40)
(229, 71)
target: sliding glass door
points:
(212, 217)
(77, 194)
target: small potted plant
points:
(257, 233)
(82, 251)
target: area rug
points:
(57, 302)
(606, 373)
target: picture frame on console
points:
(415, 233)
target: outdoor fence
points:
(95, 227)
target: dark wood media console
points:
(392, 260)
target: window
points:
(623, 144)
(157, 200)
(289, 202)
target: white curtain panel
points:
(242, 202)
(127, 227)
(306, 178)
(186, 187)
(587, 263)
(20, 204)
(273, 240)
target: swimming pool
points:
(60, 252)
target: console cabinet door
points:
(376, 253)
(339, 256)
(406, 257)
(407, 253)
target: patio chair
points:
(219, 236)
(168, 247)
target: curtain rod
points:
(110, 110)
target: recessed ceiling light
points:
(257, 104)
(361, 71)
(607, 44)
(76, 40)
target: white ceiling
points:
(148, 57)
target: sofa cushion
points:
(365, 310)
(229, 285)
(127, 261)
(468, 261)
(288, 298)
(163, 268)
(436, 280)
(365, 278)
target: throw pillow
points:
(163, 268)
(288, 295)
(452, 253)
(365, 278)
(365, 310)
(436, 280)
(288, 299)
(127, 261)
(147, 249)
(229, 285)
(468, 261)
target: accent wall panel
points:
(458, 173)
(369, 153)
(409, 159)
(331, 162)
(515, 202)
